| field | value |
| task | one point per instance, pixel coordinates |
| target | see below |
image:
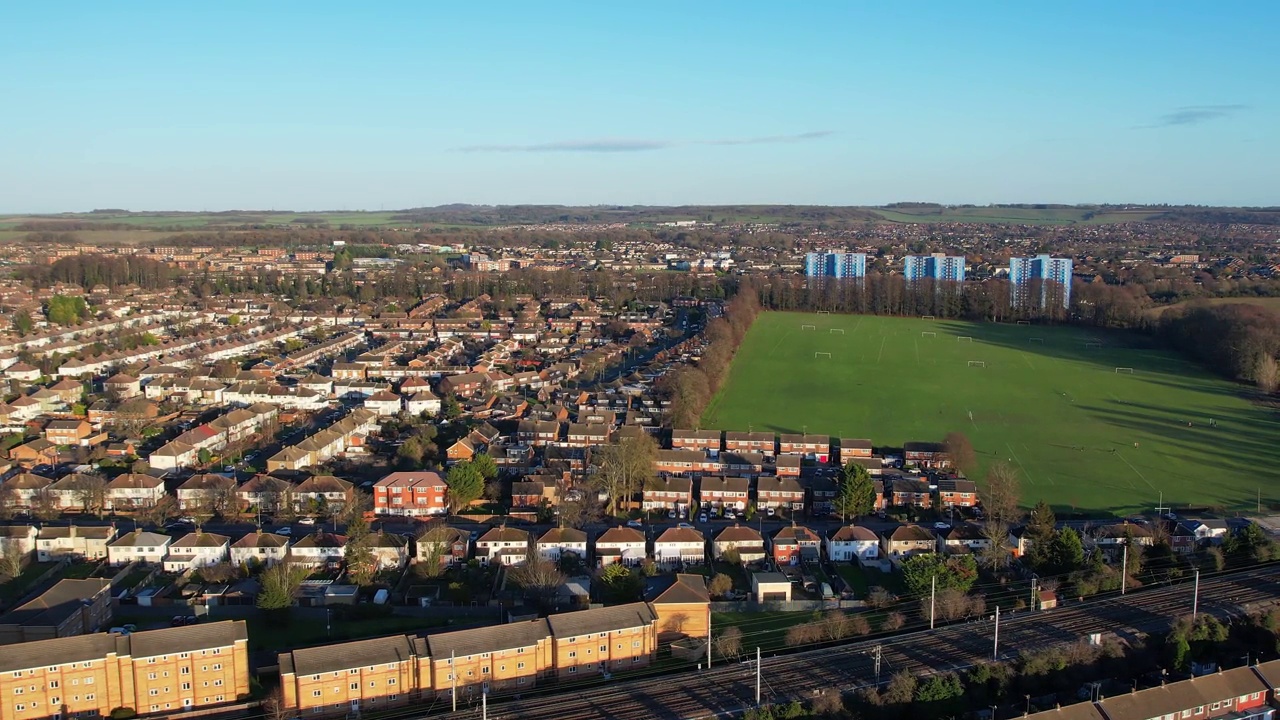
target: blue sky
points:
(310, 106)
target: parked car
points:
(701, 518)
(286, 530)
(635, 524)
(306, 521)
(671, 514)
(687, 526)
(941, 526)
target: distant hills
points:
(458, 214)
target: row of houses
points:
(235, 425)
(368, 675)
(1243, 693)
(204, 491)
(346, 435)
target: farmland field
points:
(1048, 400)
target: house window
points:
(391, 681)
(573, 654)
(355, 686)
(315, 693)
(573, 669)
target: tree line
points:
(690, 388)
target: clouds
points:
(624, 145)
(1195, 114)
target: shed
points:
(770, 587)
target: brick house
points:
(957, 493)
(411, 494)
(907, 540)
(757, 442)
(668, 493)
(926, 454)
(796, 544)
(703, 440)
(784, 493)
(746, 541)
(717, 491)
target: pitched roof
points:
(56, 604)
(142, 538)
(344, 656)
(504, 534)
(1174, 697)
(686, 589)
(739, 534)
(620, 535)
(904, 533)
(474, 641)
(261, 540)
(854, 533)
(679, 535)
(169, 641)
(598, 620)
(46, 653)
(562, 535)
(200, 539)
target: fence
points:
(749, 606)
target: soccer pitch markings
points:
(1067, 412)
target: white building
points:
(680, 545)
(139, 546)
(508, 546)
(197, 550)
(853, 542)
(260, 548)
(557, 541)
(621, 544)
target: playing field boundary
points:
(1049, 406)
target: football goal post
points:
(927, 317)
(977, 363)
(826, 355)
(964, 338)
(928, 333)
(1093, 346)
(1024, 322)
(1036, 341)
(837, 331)
(824, 312)
(1124, 371)
(808, 327)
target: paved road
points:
(730, 688)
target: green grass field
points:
(1082, 435)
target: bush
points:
(123, 713)
(894, 621)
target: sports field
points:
(1049, 400)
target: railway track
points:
(729, 688)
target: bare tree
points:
(159, 511)
(728, 643)
(11, 558)
(433, 547)
(274, 707)
(961, 451)
(90, 492)
(835, 625)
(625, 467)
(43, 506)
(1266, 373)
(537, 576)
(1000, 501)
